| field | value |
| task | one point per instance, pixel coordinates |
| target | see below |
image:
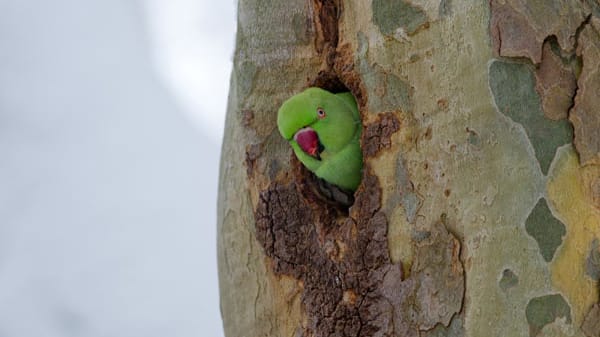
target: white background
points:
(111, 119)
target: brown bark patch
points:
(253, 152)
(350, 285)
(247, 117)
(443, 104)
(337, 73)
(595, 192)
(326, 23)
(556, 83)
(519, 28)
(591, 323)
(438, 267)
(345, 69)
(512, 36)
(585, 114)
(333, 256)
(377, 136)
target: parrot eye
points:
(320, 112)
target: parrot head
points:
(317, 121)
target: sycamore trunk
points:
(478, 213)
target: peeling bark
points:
(475, 215)
(519, 28)
(591, 325)
(555, 83)
(350, 285)
(585, 114)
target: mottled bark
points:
(479, 209)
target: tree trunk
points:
(479, 209)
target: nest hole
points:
(330, 82)
(319, 191)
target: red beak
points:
(308, 140)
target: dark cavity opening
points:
(330, 82)
(317, 190)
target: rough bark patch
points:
(595, 190)
(247, 117)
(344, 68)
(326, 23)
(253, 152)
(592, 263)
(591, 323)
(555, 83)
(439, 278)
(351, 287)
(519, 28)
(337, 73)
(512, 35)
(377, 136)
(331, 256)
(585, 115)
(326, 14)
(340, 75)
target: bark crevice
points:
(340, 255)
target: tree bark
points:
(479, 209)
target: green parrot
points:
(324, 132)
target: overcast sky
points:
(193, 44)
(111, 116)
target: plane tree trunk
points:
(478, 213)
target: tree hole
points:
(317, 190)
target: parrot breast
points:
(308, 139)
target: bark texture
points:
(479, 209)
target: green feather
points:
(340, 162)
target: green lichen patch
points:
(544, 310)
(445, 8)
(455, 329)
(545, 229)
(592, 265)
(390, 15)
(513, 88)
(404, 193)
(595, 6)
(474, 138)
(245, 74)
(508, 280)
(386, 91)
(302, 28)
